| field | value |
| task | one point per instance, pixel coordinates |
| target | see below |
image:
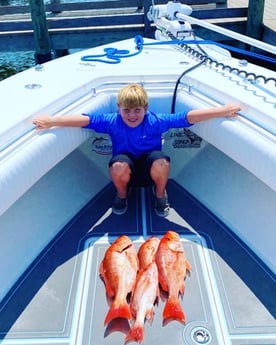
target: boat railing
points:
(233, 35)
(171, 13)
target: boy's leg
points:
(157, 165)
(120, 176)
(159, 173)
(120, 173)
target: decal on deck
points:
(102, 145)
(183, 138)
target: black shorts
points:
(140, 167)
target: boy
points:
(137, 159)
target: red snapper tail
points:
(121, 310)
(173, 311)
(136, 334)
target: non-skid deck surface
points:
(229, 299)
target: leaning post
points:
(41, 34)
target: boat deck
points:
(229, 299)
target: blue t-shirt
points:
(144, 138)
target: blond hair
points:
(132, 96)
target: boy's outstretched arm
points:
(197, 115)
(47, 121)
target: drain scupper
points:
(201, 335)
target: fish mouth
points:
(126, 247)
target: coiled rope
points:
(114, 56)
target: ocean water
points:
(14, 62)
(11, 63)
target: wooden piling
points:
(255, 15)
(41, 35)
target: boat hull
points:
(58, 196)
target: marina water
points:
(14, 62)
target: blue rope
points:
(114, 55)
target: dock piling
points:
(41, 34)
(255, 19)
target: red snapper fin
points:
(118, 311)
(173, 311)
(136, 334)
(188, 267)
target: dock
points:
(89, 24)
(269, 15)
(268, 18)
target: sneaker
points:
(161, 206)
(119, 206)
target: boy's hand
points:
(43, 122)
(231, 110)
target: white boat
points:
(55, 206)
